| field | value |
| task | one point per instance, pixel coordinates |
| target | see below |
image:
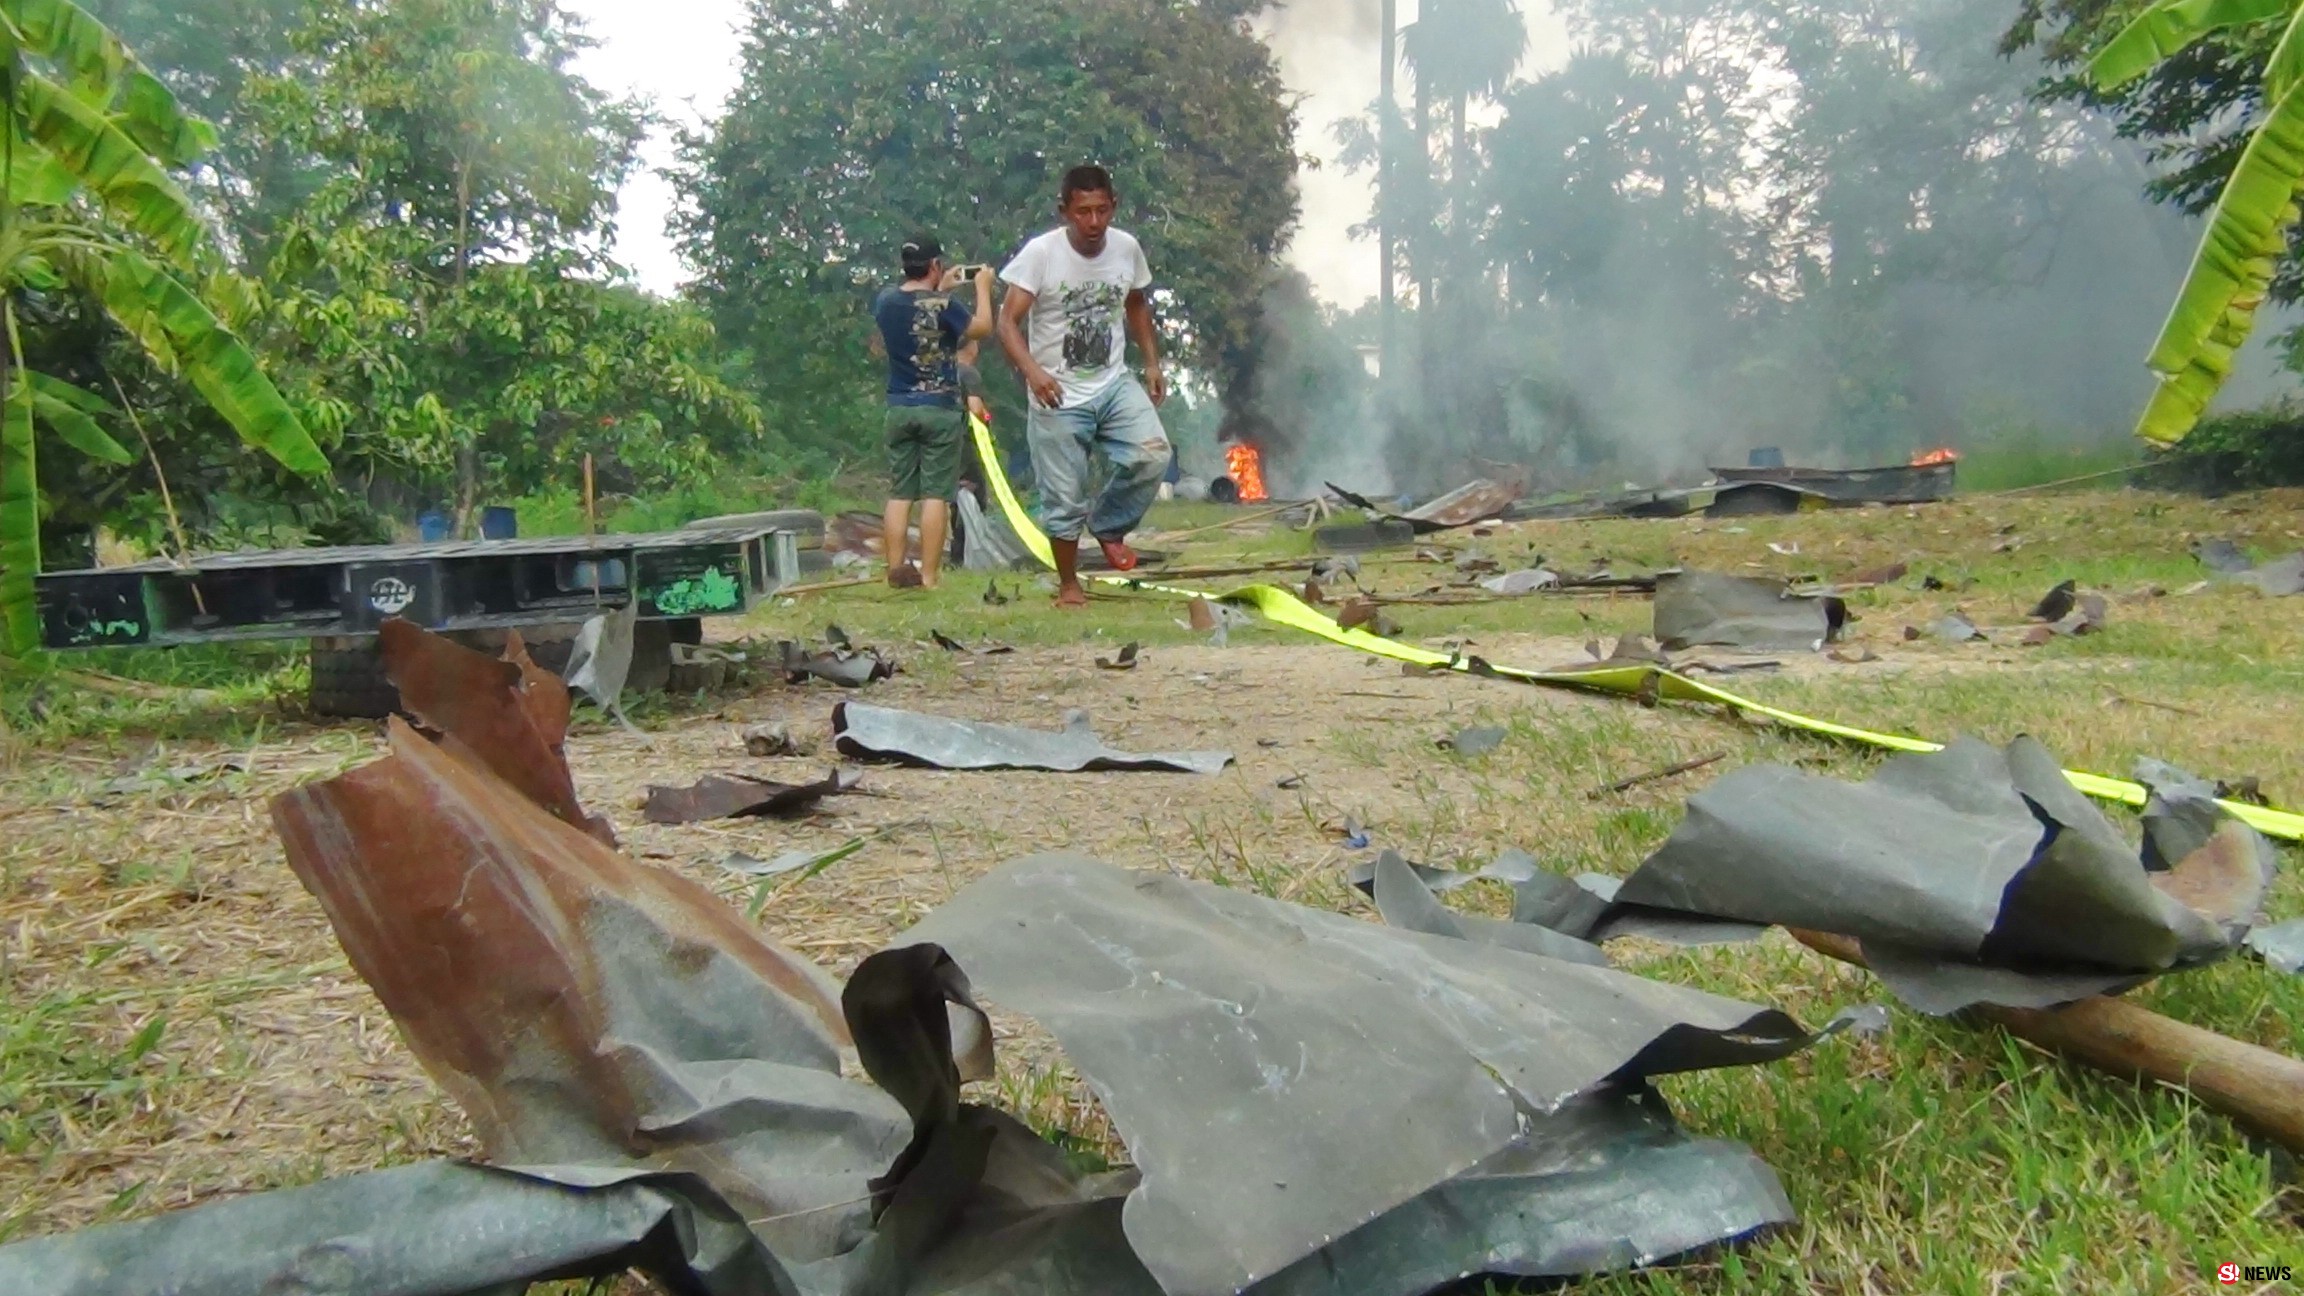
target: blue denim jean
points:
(1121, 422)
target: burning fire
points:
(1939, 455)
(1246, 468)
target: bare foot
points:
(1118, 554)
(1071, 596)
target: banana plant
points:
(2247, 230)
(88, 204)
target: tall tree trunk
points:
(467, 454)
(1386, 195)
(1421, 247)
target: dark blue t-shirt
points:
(922, 331)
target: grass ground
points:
(175, 1022)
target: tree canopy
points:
(859, 122)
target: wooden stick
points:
(2259, 1088)
(2119, 696)
(1658, 776)
(591, 504)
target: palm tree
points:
(2248, 229)
(1456, 49)
(91, 133)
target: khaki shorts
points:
(924, 451)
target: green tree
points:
(2254, 219)
(89, 206)
(856, 123)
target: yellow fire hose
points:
(1279, 605)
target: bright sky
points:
(682, 54)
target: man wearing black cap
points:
(922, 328)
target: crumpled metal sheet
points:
(1512, 866)
(1744, 612)
(1256, 1056)
(601, 658)
(438, 1228)
(2280, 945)
(1607, 1182)
(842, 665)
(1586, 907)
(887, 733)
(1406, 902)
(992, 546)
(738, 796)
(585, 1009)
(1475, 501)
(507, 716)
(1970, 875)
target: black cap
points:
(919, 251)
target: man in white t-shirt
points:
(1069, 292)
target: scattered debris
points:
(1526, 581)
(1125, 659)
(947, 642)
(143, 778)
(1753, 614)
(1475, 501)
(789, 861)
(2081, 614)
(2280, 945)
(993, 595)
(883, 732)
(1970, 875)
(2277, 578)
(1355, 836)
(2056, 604)
(1887, 575)
(1479, 740)
(740, 796)
(1791, 550)
(846, 667)
(1363, 614)
(1290, 783)
(774, 738)
(1952, 627)
(1853, 656)
(2220, 555)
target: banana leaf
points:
(2166, 28)
(114, 167)
(19, 524)
(2215, 309)
(148, 301)
(107, 76)
(69, 419)
(37, 179)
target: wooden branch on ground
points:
(1658, 776)
(2259, 1088)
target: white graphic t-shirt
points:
(1075, 327)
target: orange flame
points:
(1246, 467)
(1939, 455)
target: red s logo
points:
(2227, 1273)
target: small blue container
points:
(499, 524)
(432, 526)
(1766, 457)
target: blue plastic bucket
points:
(499, 524)
(432, 526)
